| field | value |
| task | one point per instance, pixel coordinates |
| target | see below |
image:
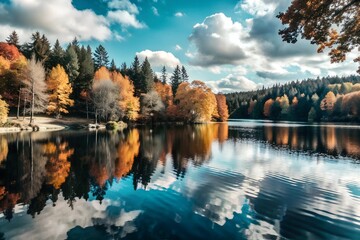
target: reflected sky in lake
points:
(242, 180)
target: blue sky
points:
(232, 45)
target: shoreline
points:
(43, 124)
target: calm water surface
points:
(241, 180)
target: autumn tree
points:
(12, 72)
(165, 92)
(196, 102)
(332, 24)
(267, 107)
(102, 74)
(59, 91)
(128, 103)
(36, 86)
(222, 107)
(4, 111)
(351, 104)
(327, 104)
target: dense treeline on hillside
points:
(322, 99)
(38, 78)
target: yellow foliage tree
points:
(327, 104)
(284, 103)
(196, 101)
(60, 90)
(127, 101)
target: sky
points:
(231, 45)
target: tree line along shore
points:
(37, 78)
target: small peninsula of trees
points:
(325, 99)
(37, 78)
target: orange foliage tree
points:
(267, 107)
(60, 89)
(12, 72)
(127, 101)
(102, 74)
(222, 107)
(196, 102)
(165, 92)
(58, 166)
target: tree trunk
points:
(18, 107)
(32, 103)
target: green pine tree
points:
(147, 76)
(163, 75)
(175, 79)
(101, 57)
(71, 64)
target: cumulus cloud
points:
(178, 47)
(61, 20)
(233, 83)
(218, 41)
(179, 14)
(159, 58)
(58, 19)
(123, 5)
(125, 19)
(257, 7)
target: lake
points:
(236, 180)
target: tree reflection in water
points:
(37, 167)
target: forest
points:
(37, 78)
(321, 99)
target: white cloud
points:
(155, 11)
(257, 7)
(125, 19)
(178, 47)
(179, 14)
(159, 58)
(123, 5)
(220, 44)
(57, 19)
(218, 41)
(233, 83)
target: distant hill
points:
(321, 99)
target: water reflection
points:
(332, 140)
(228, 181)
